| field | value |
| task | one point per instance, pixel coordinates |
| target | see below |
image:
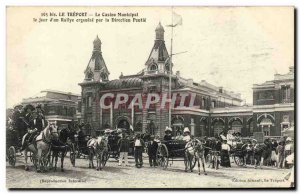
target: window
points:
(286, 93)
(167, 67)
(153, 67)
(89, 101)
(213, 103)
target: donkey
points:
(194, 149)
(41, 147)
(97, 147)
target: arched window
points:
(236, 126)
(104, 76)
(153, 67)
(218, 128)
(266, 124)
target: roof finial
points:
(97, 44)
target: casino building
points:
(214, 109)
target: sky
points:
(233, 47)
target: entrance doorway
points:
(123, 124)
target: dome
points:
(124, 83)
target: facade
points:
(273, 104)
(214, 110)
(61, 107)
(153, 78)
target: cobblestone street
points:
(114, 176)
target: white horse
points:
(194, 148)
(41, 147)
(97, 147)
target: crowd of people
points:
(30, 121)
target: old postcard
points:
(150, 97)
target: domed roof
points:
(124, 83)
(159, 27)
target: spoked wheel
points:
(162, 156)
(238, 160)
(12, 156)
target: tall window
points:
(286, 93)
(89, 101)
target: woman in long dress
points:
(225, 159)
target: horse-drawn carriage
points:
(173, 150)
(12, 146)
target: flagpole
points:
(170, 72)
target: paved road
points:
(114, 176)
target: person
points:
(274, 156)
(119, 133)
(168, 134)
(152, 149)
(280, 152)
(186, 134)
(247, 149)
(123, 145)
(26, 118)
(157, 139)
(139, 145)
(287, 149)
(225, 149)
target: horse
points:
(97, 147)
(262, 153)
(41, 147)
(194, 148)
(62, 146)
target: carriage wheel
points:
(162, 156)
(238, 160)
(12, 156)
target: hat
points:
(254, 140)
(186, 129)
(168, 129)
(288, 139)
(107, 131)
(119, 130)
(29, 106)
(152, 136)
(39, 106)
(18, 106)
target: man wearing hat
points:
(152, 149)
(139, 145)
(186, 134)
(168, 134)
(28, 109)
(123, 145)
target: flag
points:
(177, 20)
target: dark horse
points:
(60, 147)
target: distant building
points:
(273, 104)
(61, 107)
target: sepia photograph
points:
(157, 97)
